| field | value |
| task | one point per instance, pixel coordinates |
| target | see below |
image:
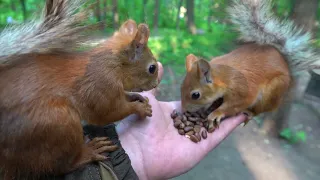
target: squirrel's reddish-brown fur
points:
(44, 97)
(252, 79)
(255, 77)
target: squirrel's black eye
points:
(152, 69)
(195, 95)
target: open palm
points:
(156, 149)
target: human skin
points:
(156, 149)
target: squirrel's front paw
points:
(144, 109)
(214, 119)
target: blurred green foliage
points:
(127, 9)
(169, 44)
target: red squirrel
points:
(255, 77)
(47, 88)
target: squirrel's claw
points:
(146, 99)
(215, 119)
(249, 115)
(218, 120)
(144, 109)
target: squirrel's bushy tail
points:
(59, 28)
(257, 23)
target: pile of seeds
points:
(190, 124)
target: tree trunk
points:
(98, 11)
(210, 14)
(104, 15)
(304, 13)
(13, 6)
(190, 17)
(24, 9)
(144, 13)
(178, 15)
(156, 15)
(115, 14)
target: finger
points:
(173, 105)
(160, 72)
(225, 129)
(160, 75)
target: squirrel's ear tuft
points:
(190, 59)
(140, 41)
(204, 71)
(142, 35)
(129, 28)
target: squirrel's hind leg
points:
(273, 93)
(271, 97)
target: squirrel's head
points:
(199, 88)
(138, 65)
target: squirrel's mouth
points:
(215, 105)
(206, 109)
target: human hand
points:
(156, 149)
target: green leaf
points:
(286, 133)
(302, 136)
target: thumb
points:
(160, 75)
(160, 72)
